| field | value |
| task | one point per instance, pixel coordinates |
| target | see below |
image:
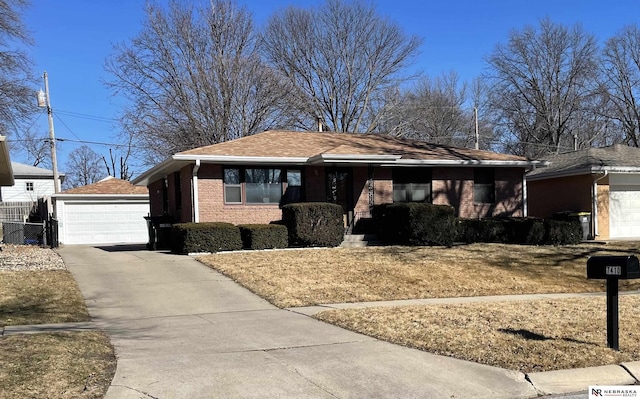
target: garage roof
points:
(109, 185)
(616, 158)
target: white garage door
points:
(624, 207)
(104, 223)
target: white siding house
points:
(30, 184)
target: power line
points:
(86, 116)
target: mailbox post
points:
(613, 268)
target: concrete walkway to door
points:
(182, 330)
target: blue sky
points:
(73, 38)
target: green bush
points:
(205, 237)
(559, 232)
(263, 236)
(530, 231)
(415, 223)
(482, 230)
(314, 224)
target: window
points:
(293, 190)
(29, 186)
(484, 186)
(232, 186)
(263, 186)
(412, 185)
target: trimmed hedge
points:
(263, 236)
(530, 231)
(205, 237)
(314, 224)
(415, 223)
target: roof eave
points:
(352, 158)
(584, 171)
(6, 170)
(468, 162)
(100, 196)
(178, 161)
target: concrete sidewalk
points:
(182, 330)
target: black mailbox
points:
(613, 267)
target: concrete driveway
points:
(182, 330)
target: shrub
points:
(530, 231)
(482, 230)
(415, 223)
(560, 232)
(263, 236)
(205, 237)
(314, 224)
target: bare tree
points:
(17, 97)
(542, 81)
(434, 111)
(193, 77)
(83, 167)
(35, 147)
(621, 71)
(344, 60)
(118, 166)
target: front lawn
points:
(315, 276)
(528, 336)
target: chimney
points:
(319, 124)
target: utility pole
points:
(475, 117)
(52, 139)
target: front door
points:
(340, 190)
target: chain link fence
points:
(22, 233)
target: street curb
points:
(48, 328)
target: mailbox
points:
(613, 267)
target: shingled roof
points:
(615, 158)
(109, 185)
(290, 144)
(277, 147)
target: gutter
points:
(194, 195)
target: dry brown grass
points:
(60, 365)
(319, 276)
(57, 365)
(38, 297)
(527, 336)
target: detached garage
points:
(605, 182)
(110, 211)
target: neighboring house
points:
(31, 183)
(248, 180)
(602, 181)
(110, 211)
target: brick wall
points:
(213, 208)
(546, 197)
(454, 186)
(383, 186)
(603, 212)
(155, 197)
(316, 187)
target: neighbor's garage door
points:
(624, 206)
(104, 223)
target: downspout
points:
(594, 197)
(196, 201)
(525, 208)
